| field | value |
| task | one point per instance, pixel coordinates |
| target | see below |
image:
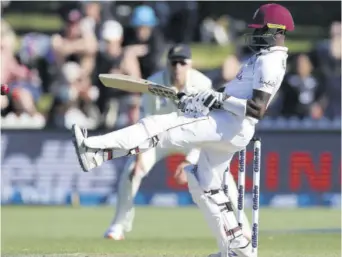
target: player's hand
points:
(206, 98)
(186, 105)
(210, 98)
(205, 101)
(180, 175)
(195, 109)
(183, 101)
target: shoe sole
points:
(76, 144)
(115, 239)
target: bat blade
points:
(135, 85)
(125, 83)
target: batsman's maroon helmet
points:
(269, 21)
(272, 16)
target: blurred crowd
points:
(54, 78)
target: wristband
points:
(235, 105)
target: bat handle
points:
(180, 95)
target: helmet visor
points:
(262, 38)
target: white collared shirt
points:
(264, 71)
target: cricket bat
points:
(137, 85)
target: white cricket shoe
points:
(87, 157)
(230, 254)
(240, 251)
(116, 233)
(237, 252)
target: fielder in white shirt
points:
(180, 75)
(218, 132)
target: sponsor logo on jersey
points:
(268, 83)
(239, 75)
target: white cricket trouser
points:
(219, 135)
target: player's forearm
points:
(234, 105)
(254, 107)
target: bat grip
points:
(215, 106)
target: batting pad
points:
(220, 219)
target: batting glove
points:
(187, 105)
(209, 99)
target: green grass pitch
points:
(164, 232)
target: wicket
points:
(255, 190)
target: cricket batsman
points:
(180, 75)
(219, 132)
